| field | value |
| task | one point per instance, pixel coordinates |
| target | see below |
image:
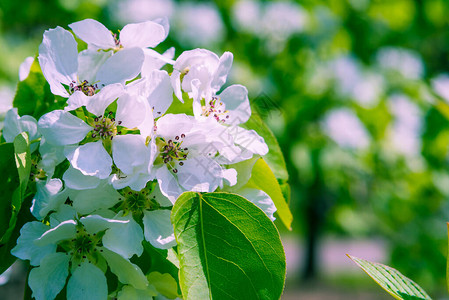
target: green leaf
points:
(391, 280)
(165, 284)
(13, 194)
(227, 248)
(274, 158)
(447, 261)
(263, 178)
(33, 96)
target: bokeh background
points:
(354, 90)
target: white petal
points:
(127, 272)
(25, 67)
(133, 110)
(125, 239)
(261, 199)
(155, 61)
(26, 249)
(91, 159)
(136, 181)
(249, 140)
(76, 180)
(158, 229)
(168, 184)
(77, 99)
(93, 33)
(14, 125)
(235, 98)
(130, 153)
(89, 62)
(99, 102)
(142, 35)
(62, 128)
(200, 174)
(224, 66)
(87, 282)
(64, 231)
(164, 22)
(171, 125)
(49, 279)
(96, 223)
(160, 92)
(64, 213)
(121, 67)
(157, 195)
(230, 175)
(48, 197)
(58, 58)
(88, 201)
(175, 80)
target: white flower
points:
(136, 36)
(203, 73)
(67, 71)
(101, 134)
(183, 151)
(14, 125)
(81, 240)
(25, 67)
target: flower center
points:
(215, 108)
(171, 151)
(85, 87)
(138, 202)
(105, 127)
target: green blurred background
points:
(355, 91)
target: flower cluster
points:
(111, 162)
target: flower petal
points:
(168, 184)
(160, 92)
(261, 199)
(14, 125)
(89, 62)
(130, 153)
(58, 58)
(87, 282)
(127, 272)
(93, 33)
(235, 98)
(91, 159)
(142, 35)
(220, 75)
(49, 196)
(121, 67)
(49, 279)
(200, 174)
(76, 180)
(155, 61)
(133, 111)
(26, 249)
(98, 103)
(89, 200)
(158, 229)
(125, 239)
(62, 128)
(25, 68)
(96, 223)
(64, 231)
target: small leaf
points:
(392, 281)
(227, 248)
(165, 284)
(263, 178)
(274, 158)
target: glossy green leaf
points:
(227, 248)
(391, 280)
(274, 158)
(263, 178)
